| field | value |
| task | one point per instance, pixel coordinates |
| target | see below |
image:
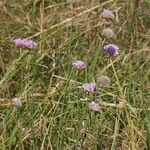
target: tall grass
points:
(55, 113)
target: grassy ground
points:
(54, 113)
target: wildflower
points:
(103, 81)
(89, 87)
(121, 104)
(94, 106)
(78, 64)
(108, 33)
(17, 102)
(25, 43)
(112, 49)
(108, 14)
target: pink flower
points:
(17, 102)
(25, 43)
(94, 106)
(108, 14)
(89, 87)
(78, 64)
(112, 49)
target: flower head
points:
(89, 87)
(94, 106)
(112, 49)
(108, 33)
(17, 102)
(78, 64)
(107, 14)
(103, 81)
(25, 43)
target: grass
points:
(54, 113)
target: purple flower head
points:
(17, 102)
(78, 64)
(112, 49)
(89, 87)
(94, 106)
(107, 14)
(25, 43)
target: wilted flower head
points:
(121, 104)
(94, 106)
(25, 43)
(108, 33)
(103, 81)
(78, 64)
(107, 14)
(89, 87)
(17, 102)
(112, 49)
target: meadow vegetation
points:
(45, 101)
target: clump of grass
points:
(56, 111)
